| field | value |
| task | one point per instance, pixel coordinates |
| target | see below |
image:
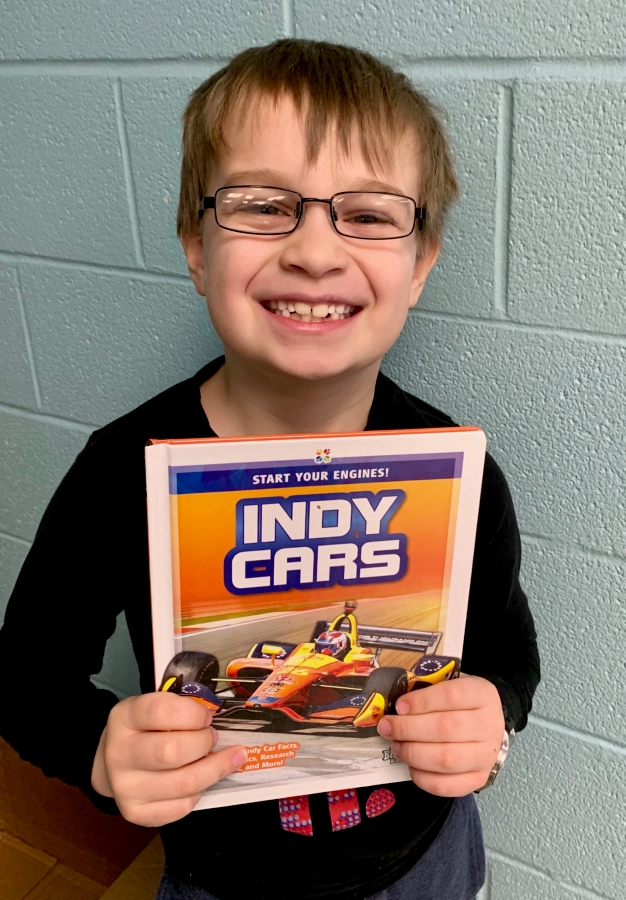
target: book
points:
(301, 584)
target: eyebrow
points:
(373, 185)
(262, 177)
(274, 178)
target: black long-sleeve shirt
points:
(89, 561)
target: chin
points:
(313, 367)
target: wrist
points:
(508, 739)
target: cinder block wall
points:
(522, 328)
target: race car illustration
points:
(334, 679)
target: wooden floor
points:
(54, 845)
(27, 873)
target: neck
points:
(242, 400)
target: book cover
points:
(301, 584)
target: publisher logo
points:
(322, 456)
(389, 757)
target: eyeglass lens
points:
(266, 210)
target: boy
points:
(315, 182)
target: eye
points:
(268, 209)
(368, 218)
(261, 208)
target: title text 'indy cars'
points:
(332, 680)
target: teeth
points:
(304, 312)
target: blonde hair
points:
(330, 85)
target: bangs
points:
(327, 98)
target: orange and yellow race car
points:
(334, 679)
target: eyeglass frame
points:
(420, 216)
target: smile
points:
(299, 311)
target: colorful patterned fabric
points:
(345, 812)
(379, 802)
(295, 815)
(344, 809)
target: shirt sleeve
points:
(500, 638)
(74, 582)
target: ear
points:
(193, 246)
(423, 264)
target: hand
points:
(153, 757)
(449, 734)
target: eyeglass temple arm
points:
(207, 203)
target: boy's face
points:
(241, 274)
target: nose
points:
(314, 248)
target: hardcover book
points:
(302, 584)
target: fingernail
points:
(213, 737)
(396, 749)
(384, 727)
(240, 758)
(209, 716)
(402, 707)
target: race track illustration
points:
(331, 683)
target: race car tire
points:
(193, 665)
(389, 681)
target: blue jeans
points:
(453, 867)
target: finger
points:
(157, 750)
(459, 693)
(449, 785)
(163, 711)
(174, 784)
(445, 758)
(452, 726)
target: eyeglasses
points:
(369, 215)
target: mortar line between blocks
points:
(45, 419)
(128, 173)
(14, 539)
(566, 68)
(27, 340)
(538, 540)
(84, 266)
(582, 736)
(289, 18)
(591, 337)
(543, 874)
(504, 158)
